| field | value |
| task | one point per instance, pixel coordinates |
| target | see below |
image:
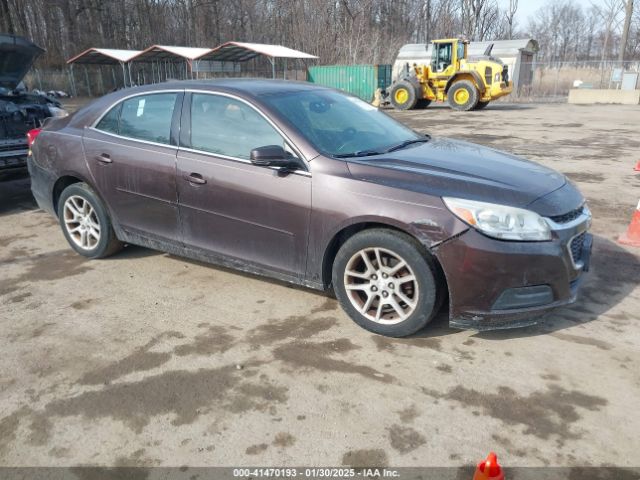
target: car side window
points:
(147, 117)
(229, 127)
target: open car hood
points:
(17, 54)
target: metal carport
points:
(242, 52)
(100, 57)
(167, 56)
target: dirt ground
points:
(149, 359)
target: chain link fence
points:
(93, 81)
(551, 81)
(546, 82)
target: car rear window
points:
(144, 117)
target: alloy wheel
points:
(81, 222)
(381, 285)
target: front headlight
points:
(500, 221)
(57, 112)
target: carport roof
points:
(241, 52)
(104, 56)
(505, 47)
(169, 52)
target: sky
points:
(526, 8)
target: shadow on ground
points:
(491, 106)
(615, 272)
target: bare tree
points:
(479, 17)
(628, 6)
(338, 31)
(609, 12)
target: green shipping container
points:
(359, 80)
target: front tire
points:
(385, 282)
(85, 222)
(463, 96)
(403, 95)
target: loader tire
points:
(403, 96)
(463, 96)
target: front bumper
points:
(497, 284)
(498, 89)
(13, 154)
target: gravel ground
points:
(148, 359)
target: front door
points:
(229, 206)
(132, 158)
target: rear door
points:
(131, 153)
(229, 206)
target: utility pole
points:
(625, 31)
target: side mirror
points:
(271, 156)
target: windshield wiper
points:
(406, 143)
(361, 153)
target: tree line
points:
(338, 31)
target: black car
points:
(20, 111)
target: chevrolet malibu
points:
(314, 187)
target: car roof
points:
(253, 87)
(249, 88)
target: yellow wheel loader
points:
(466, 83)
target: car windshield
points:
(340, 125)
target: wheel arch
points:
(347, 231)
(61, 183)
(472, 76)
(67, 178)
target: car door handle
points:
(195, 178)
(104, 158)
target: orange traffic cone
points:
(632, 237)
(489, 469)
(637, 167)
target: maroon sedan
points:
(314, 187)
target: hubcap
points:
(381, 285)
(402, 96)
(461, 96)
(81, 222)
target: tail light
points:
(32, 135)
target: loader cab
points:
(446, 56)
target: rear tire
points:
(385, 282)
(403, 95)
(463, 96)
(85, 222)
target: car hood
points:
(17, 54)
(446, 167)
